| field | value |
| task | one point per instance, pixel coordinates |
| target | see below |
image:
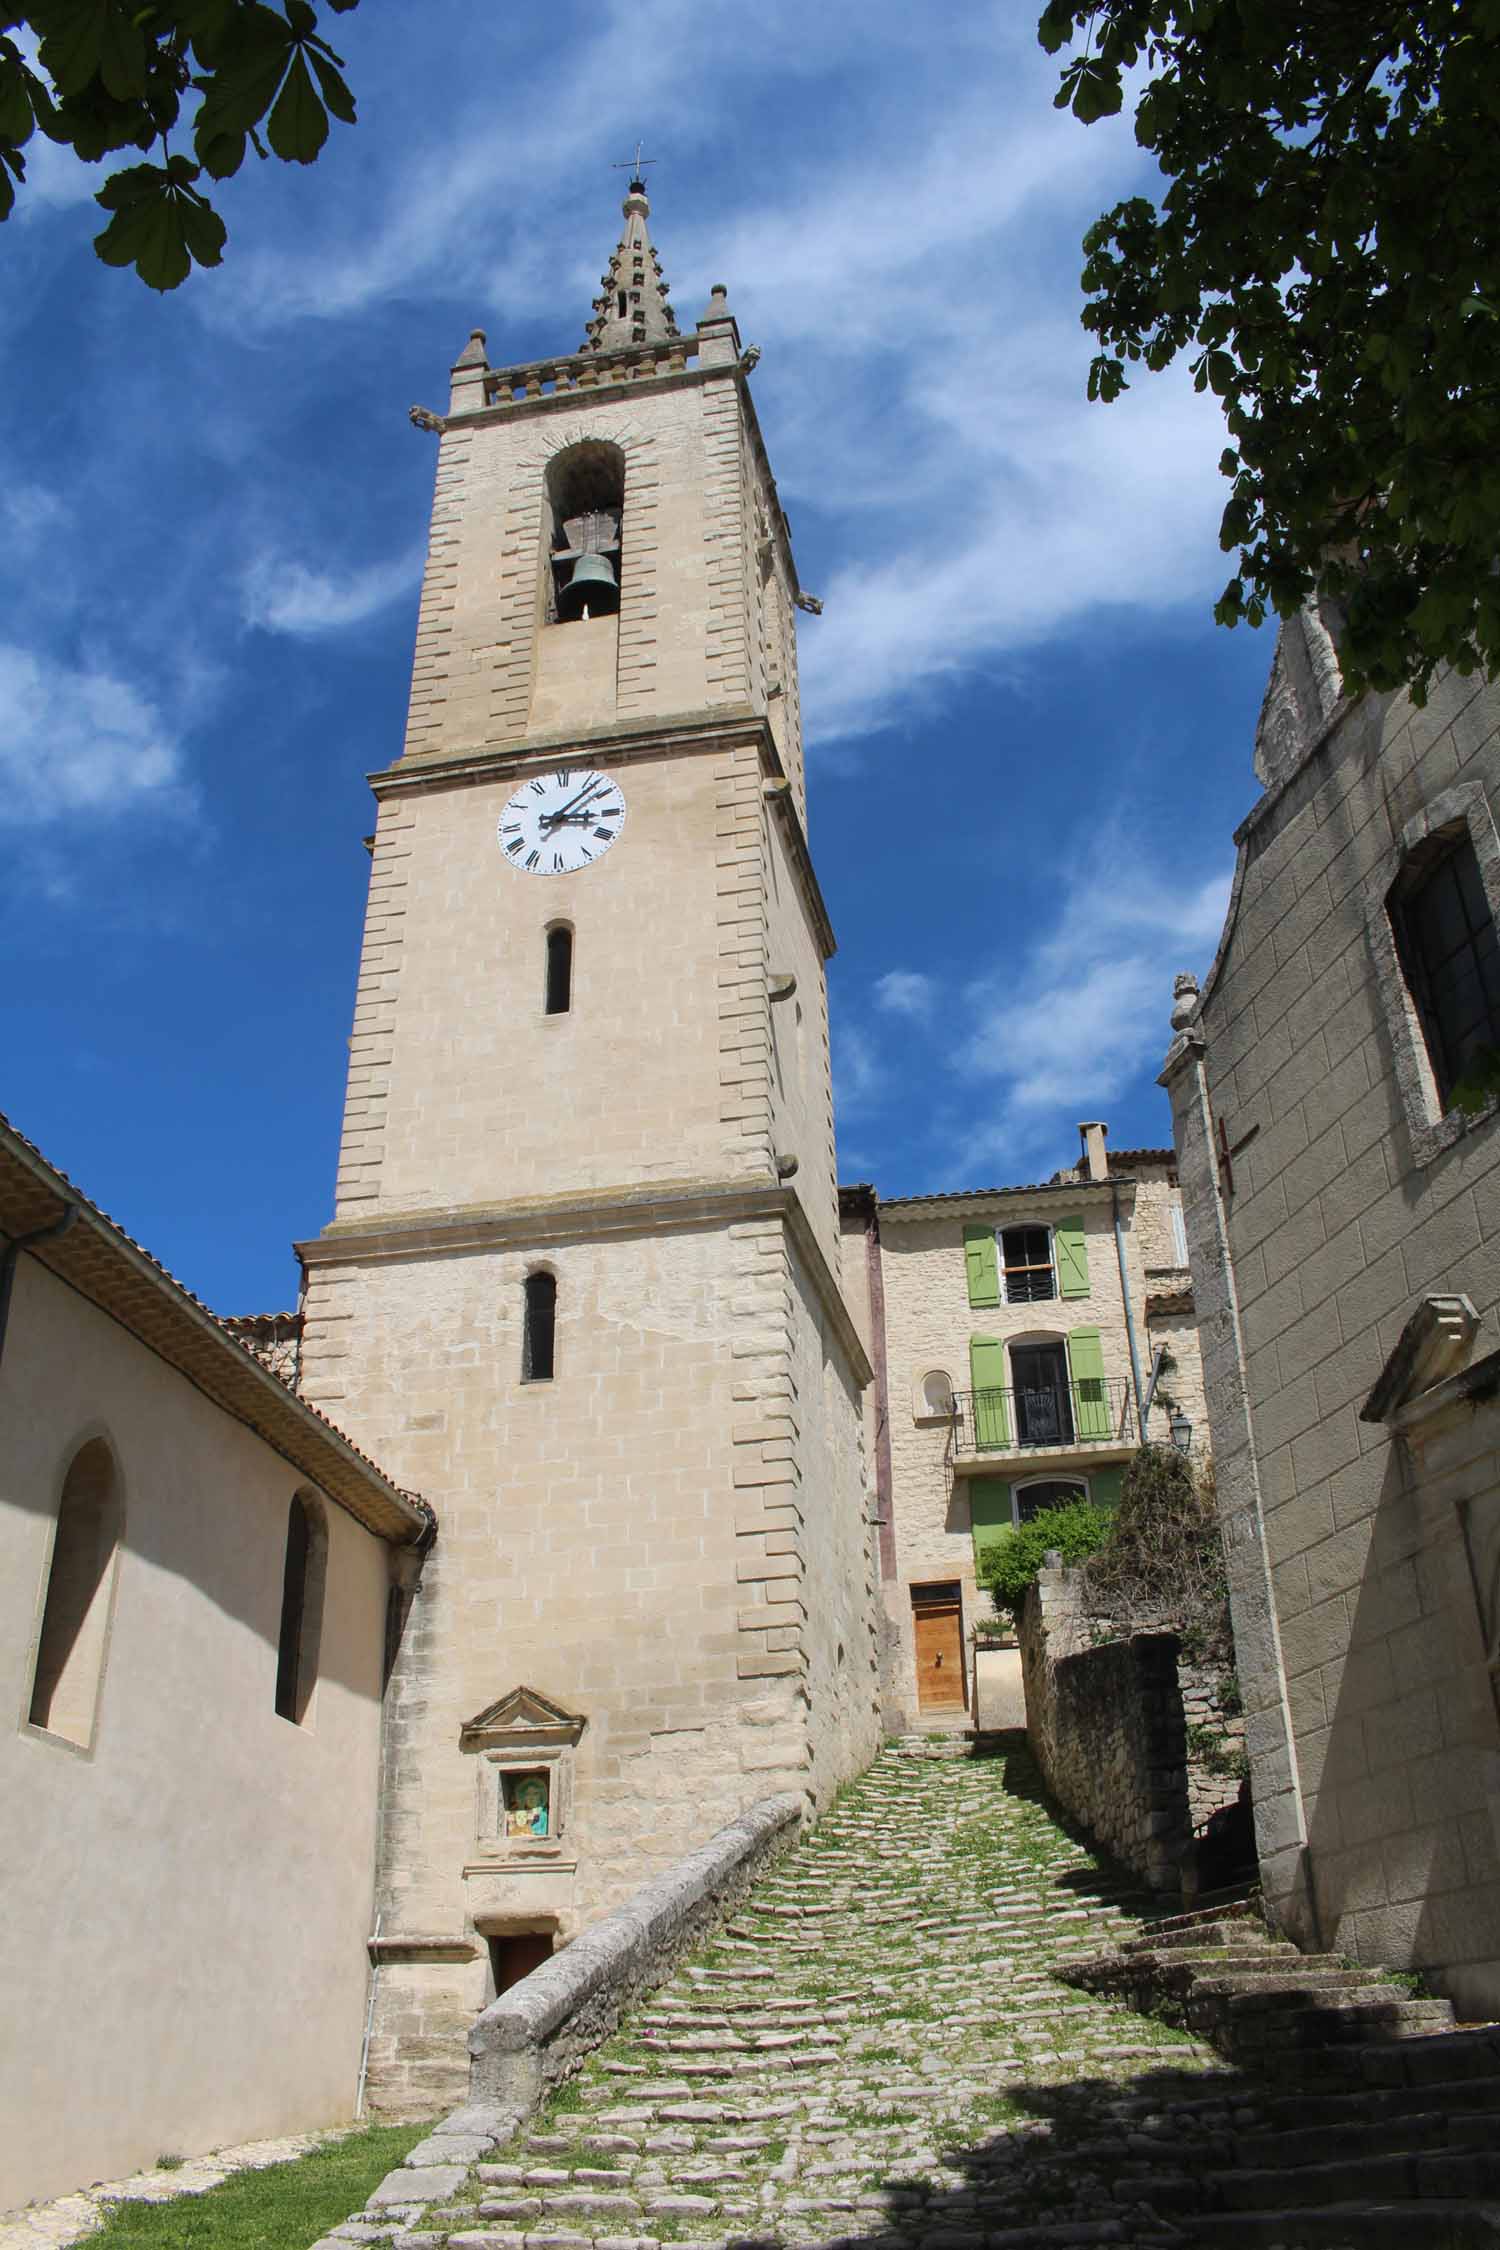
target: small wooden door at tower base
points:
(940, 1656)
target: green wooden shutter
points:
(1104, 1487)
(989, 1516)
(1072, 1258)
(1090, 1400)
(987, 1374)
(982, 1261)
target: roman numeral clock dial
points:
(559, 822)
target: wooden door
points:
(940, 1657)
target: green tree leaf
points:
(221, 154)
(1324, 246)
(298, 126)
(161, 225)
(72, 41)
(12, 168)
(122, 56)
(332, 87)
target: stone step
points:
(1462, 2053)
(1288, 1986)
(1428, 2225)
(1201, 1917)
(1380, 2009)
(1206, 1936)
(1331, 2143)
(1331, 2110)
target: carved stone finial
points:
(1184, 1001)
(424, 418)
(633, 307)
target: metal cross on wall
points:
(1227, 1155)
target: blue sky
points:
(1028, 744)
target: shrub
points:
(1162, 1567)
(1012, 1564)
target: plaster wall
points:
(187, 1899)
(1373, 1738)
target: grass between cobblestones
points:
(283, 2207)
(875, 2049)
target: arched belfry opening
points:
(585, 512)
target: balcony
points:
(1094, 1419)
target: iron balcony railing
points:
(1097, 1411)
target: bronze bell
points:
(593, 587)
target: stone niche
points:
(520, 1875)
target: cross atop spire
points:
(632, 307)
(635, 166)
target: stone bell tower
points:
(581, 1289)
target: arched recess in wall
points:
(304, 1581)
(69, 1669)
(583, 531)
(932, 1396)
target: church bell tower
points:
(581, 1289)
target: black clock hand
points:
(587, 791)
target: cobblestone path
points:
(872, 2050)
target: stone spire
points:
(632, 307)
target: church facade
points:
(582, 1285)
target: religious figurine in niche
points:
(526, 1805)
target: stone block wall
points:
(1109, 1725)
(1203, 1706)
(1372, 1735)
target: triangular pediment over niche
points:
(522, 1716)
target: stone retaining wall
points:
(1109, 1723)
(538, 2032)
(1209, 1790)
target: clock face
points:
(558, 822)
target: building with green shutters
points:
(1015, 1333)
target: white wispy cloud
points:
(924, 380)
(860, 1077)
(79, 741)
(30, 511)
(906, 992)
(444, 203)
(282, 596)
(1061, 1027)
(1063, 1033)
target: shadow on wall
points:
(1399, 1746)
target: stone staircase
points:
(881, 2050)
(1224, 1976)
